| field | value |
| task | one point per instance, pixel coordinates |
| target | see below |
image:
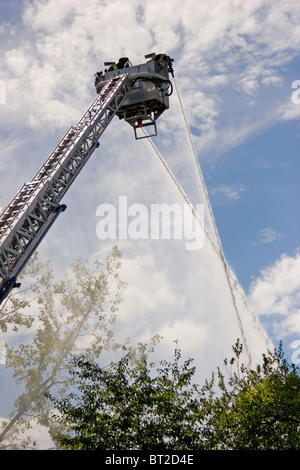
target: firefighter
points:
(123, 62)
(163, 57)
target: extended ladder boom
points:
(137, 94)
(28, 217)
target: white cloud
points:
(48, 16)
(231, 192)
(267, 235)
(290, 110)
(276, 294)
(240, 47)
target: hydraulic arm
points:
(28, 217)
(31, 213)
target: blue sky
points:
(234, 64)
(266, 212)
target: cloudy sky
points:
(236, 70)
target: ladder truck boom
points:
(136, 94)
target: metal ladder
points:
(28, 217)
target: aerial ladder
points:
(139, 95)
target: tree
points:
(133, 406)
(257, 409)
(63, 317)
(129, 406)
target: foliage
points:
(54, 320)
(127, 407)
(132, 406)
(258, 409)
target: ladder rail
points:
(30, 214)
